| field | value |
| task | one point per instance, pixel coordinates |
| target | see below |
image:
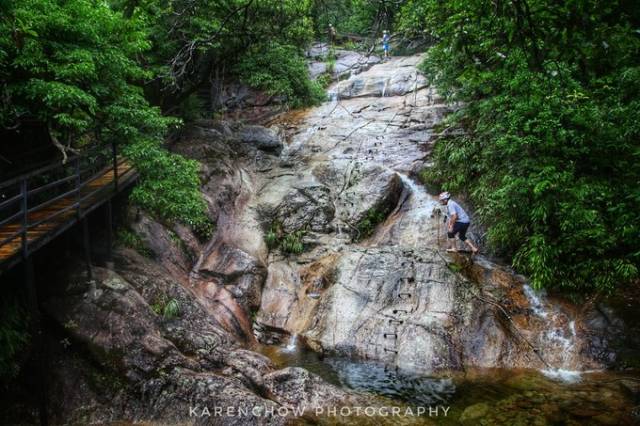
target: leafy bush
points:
(74, 66)
(331, 64)
(324, 80)
(353, 16)
(280, 70)
(170, 185)
(551, 146)
(291, 243)
(271, 237)
(171, 309)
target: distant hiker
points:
(385, 43)
(332, 34)
(458, 223)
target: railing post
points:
(38, 340)
(86, 242)
(78, 181)
(25, 220)
(109, 234)
(114, 154)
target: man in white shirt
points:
(458, 223)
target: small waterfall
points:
(292, 345)
(558, 342)
(534, 301)
(422, 201)
(384, 88)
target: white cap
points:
(444, 196)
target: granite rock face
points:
(396, 296)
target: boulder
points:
(117, 325)
(296, 387)
(367, 189)
(262, 138)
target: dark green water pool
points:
(480, 397)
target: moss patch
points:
(369, 222)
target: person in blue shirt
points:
(458, 223)
(385, 43)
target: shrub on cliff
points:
(279, 70)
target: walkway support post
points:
(24, 207)
(109, 217)
(87, 247)
(114, 154)
(38, 340)
(34, 311)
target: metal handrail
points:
(49, 167)
(10, 201)
(73, 165)
(52, 200)
(52, 215)
(11, 218)
(49, 185)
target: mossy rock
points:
(472, 413)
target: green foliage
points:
(280, 70)
(353, 16)
(14, 337)
(292, 243)
(72, 64)
(168, 308)
(331, 65)
(369, 222)
(272, 235)
(552, 128)
(455, 267)
(132, 240)
(171, 187)
(193, 43)
(324, 80)
(171, 309)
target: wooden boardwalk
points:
(28, 232)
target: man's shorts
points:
(459, 228)
(385, 47)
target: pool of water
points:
(483, 396)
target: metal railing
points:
(29, 200)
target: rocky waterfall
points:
(324, 239)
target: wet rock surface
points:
(344, 63)
(395, 296)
